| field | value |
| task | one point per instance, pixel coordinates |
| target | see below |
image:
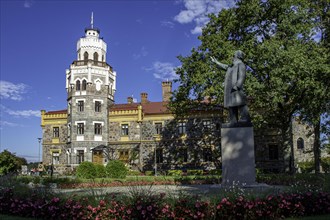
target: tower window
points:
(84, 85)
(80, 106)
(78, 85)
(124, 129)
(86, 56)
(56, 132)
(97, 128)
(97, 106)
(96, 56)
(300, 143)
(80, 128)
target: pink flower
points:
(149, 208)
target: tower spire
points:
(92, 21)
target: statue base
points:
(238, 160)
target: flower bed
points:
(160, 207)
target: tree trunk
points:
(316, 145)
(288, 147)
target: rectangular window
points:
(56, 132)
(182, 127)
(97, 106)
(124, 155)
(97, 128)
(124, 129)
(207, 124)
(56, 158)
(184, 155)
(159, 128)
(207, 155)
(159, 156)
(273, 152)
(80, 156)
(80, 106)
(80, 128)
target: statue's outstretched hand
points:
(213, 59)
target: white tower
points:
(90, 85)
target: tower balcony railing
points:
(92, 62)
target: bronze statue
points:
(234, 98)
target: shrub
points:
(194, 172)
(86, 170)
(133, 173)
(174, 172)
(306, 167)
(116, 169)
(325, 162)
(100, 171)
(215, 172)
(149, 173)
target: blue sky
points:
(38, 43)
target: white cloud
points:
(163, 71)
(197, 10)
(168, 24)
(12, 91)
(24, 113)
(20, 113)
(28, 3)
(142, 53)
(8, 124)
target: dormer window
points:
(86, 56)
(78, 85)
(84, 85)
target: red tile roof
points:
(64, 111)
(147, 108)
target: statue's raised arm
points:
(223, 66)
(234, 96)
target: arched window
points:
(78, 85)
(96, 56)
(98, 85)
(102, 58)
(300, 143)
(86, 56)
(84, 85)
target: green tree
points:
(9, 162)
(283, 56)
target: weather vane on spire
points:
(92, 20)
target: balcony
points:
(92, 62)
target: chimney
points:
(166, 91)
(144, 97)
(130, 100)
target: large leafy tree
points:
(285, 60)
(9, 162)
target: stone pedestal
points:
(238, 161)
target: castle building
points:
(145, 135)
